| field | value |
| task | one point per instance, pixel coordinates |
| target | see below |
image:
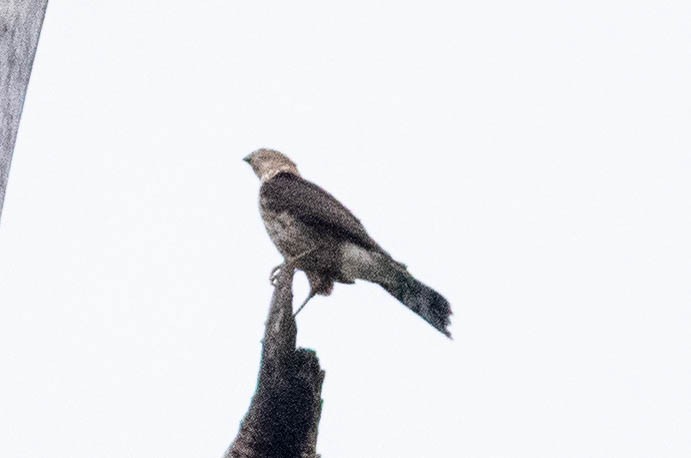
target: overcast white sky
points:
(530, 160)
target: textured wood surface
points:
(283, 417)
(20, 27)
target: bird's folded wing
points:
(315, 207)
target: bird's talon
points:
(273, 277)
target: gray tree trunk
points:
(20, 27)
(283, 417)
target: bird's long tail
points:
(418, 297)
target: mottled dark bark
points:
(283, 417)
(20, 27)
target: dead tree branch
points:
(283, 417)
(20, 27)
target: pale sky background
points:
(530, 160)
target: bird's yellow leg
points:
(274, 274)
(310, 296)
(288, 263)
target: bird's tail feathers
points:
(418, 297)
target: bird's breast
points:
(290, 236)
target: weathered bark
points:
(283, 417)
(20, 27)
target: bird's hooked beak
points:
(247, 158)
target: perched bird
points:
(318, 235)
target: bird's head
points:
(267, 163)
